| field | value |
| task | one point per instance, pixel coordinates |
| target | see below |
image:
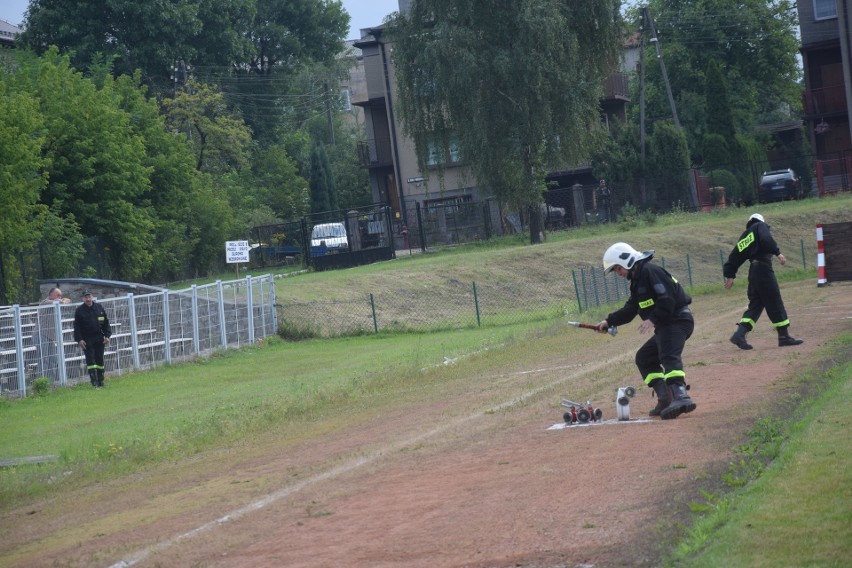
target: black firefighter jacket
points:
(654, 294)
(91, 324)
(756, 243)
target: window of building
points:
(825, 9)
(345, 100)
(452, 153)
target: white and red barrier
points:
(821, 280)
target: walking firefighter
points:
(758, 247)
(663, 305)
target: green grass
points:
(798, 511)
(284, 390)
(512, 260)
(146, 418)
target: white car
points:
(332, 235)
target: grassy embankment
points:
(288, 390)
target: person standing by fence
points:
(758, 247)
(92, 332)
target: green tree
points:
(278, 185)
(351, 181)
(22, 177)
(754, 41)
(323, 197)
(668, 165)
(149, 36)
(516, 84)
(219, 139)
(95, 163)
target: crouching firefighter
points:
(758, 247)
(663, 305)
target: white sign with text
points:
(236, 251)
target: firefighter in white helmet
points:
(758, 247)
(663, 305)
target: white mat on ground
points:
(563, 425)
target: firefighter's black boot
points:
(739, 337)
(664, 396)
(784, 338)
(681, 403)
(100, 378)
(93, 377)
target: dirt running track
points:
(473, 480)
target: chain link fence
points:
(147, 330)
(459, 305)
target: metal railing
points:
(147, 330)
(459, 305)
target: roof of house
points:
(8, 33)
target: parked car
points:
(330, 235)
(779, 185)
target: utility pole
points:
(642, 188)
(647, 19)
(329, 111)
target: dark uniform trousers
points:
(763, 293)
(94, 353)
(665, 349)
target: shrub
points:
(41, 386)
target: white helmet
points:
(757, 216)
(624, 255)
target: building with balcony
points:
(8, 33)
(390, 156)
(826, 58)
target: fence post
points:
(804, 264)
(476, 303)
(167, 328)
(689, 270)
(134, 338)
(595, 288)
(60, 344)
(375, 321)
(250, 310)
(577, 291)
(420, 226)
(19, 352)
(223, 333)
(585, 291)
(273, 312)
(196, 340)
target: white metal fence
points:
(149, 329)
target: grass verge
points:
(798, 510)
(280, 388)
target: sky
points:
(364, 13)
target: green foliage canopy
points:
(753, 41)
(515, 84)
(323, 195)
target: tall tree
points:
(97, 168)
(22, 178)
(514, 86)
(149, 36)
(323, 197)
(668, 165)
(754, 41)
(219, 139)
